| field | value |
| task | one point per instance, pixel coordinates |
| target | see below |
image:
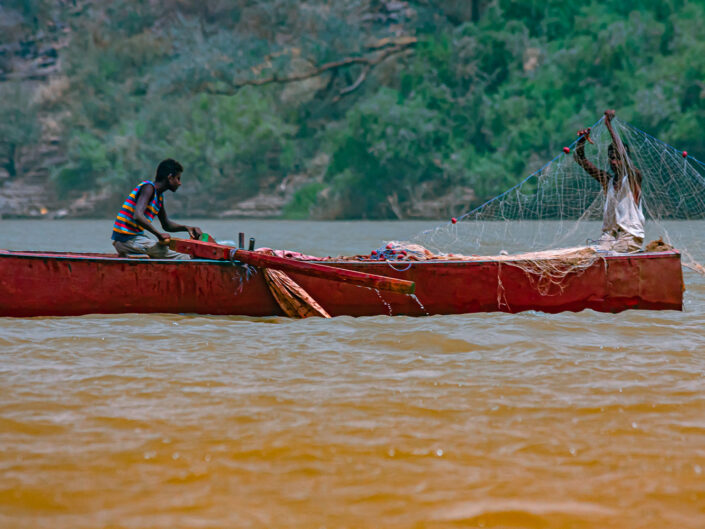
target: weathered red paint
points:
(64, 284)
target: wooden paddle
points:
(209, 250)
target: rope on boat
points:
(389, 263)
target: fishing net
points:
(561, 205)
(550, 223)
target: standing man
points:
(623, 217)
(141, 206)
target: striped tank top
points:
(125, 226)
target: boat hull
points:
(57, 284)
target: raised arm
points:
(633, 173)
(590, 168)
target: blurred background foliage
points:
(473, 95)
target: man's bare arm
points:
(144, 197)
(635, 184)
(633, 173)
(171, 226)
(609, 114)
(590, 168)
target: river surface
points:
(531, 420)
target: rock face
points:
(269, 203)
(263, 205)
(20, 199)
(452, 203)
(33, 60)
(30, 195)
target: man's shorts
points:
(141, 244)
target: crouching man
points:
(141, 206)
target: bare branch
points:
(361, 78)
(380, 55)
(392, 41)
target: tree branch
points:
(369, 62)
(355, 85)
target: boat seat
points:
(133, 255)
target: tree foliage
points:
(489, 91)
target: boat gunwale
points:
(95, 257)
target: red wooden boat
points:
(68, 284)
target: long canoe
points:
(69, 284)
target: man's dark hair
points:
(167, 167)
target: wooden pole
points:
(209, 250)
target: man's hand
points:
(164, 239)
(194, 232)
(584, 135)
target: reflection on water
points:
(492, 420)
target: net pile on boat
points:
(546, 268)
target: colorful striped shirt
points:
(125, 226)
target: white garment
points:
(622, 214)
(623, 243)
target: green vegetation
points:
(486, 93)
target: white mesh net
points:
(561, 205)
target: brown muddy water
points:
(481, 420)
